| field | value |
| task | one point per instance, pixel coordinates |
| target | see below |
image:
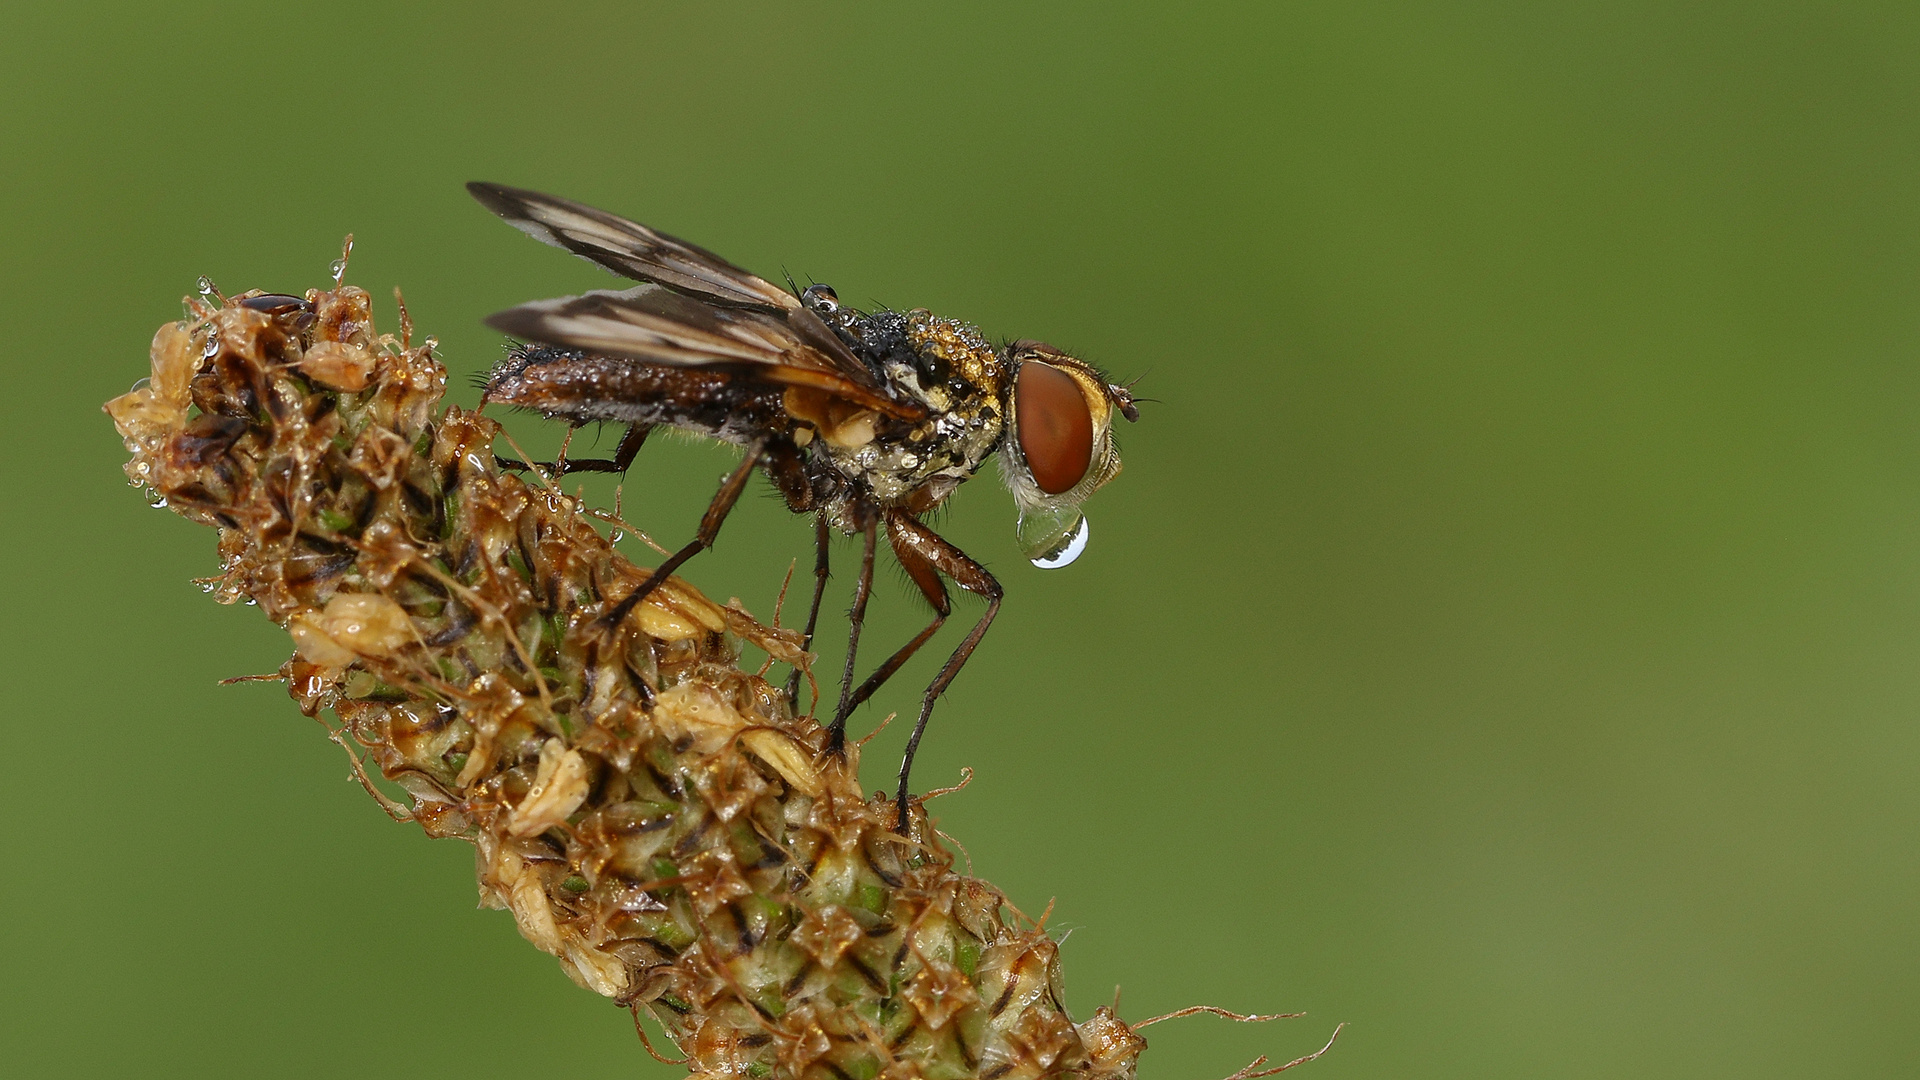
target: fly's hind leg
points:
(623, 455)
(922, 551)
(710, 523)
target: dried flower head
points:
(653, 815)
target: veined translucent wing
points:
(629, 248)
(657, 325)
(698, 308)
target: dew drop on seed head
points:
(208, 290)
(339, 267)
(139, 384)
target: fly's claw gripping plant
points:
(653, 815)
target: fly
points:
(866, 420)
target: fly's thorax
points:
(963, 364)
(942, 364)
(898, 460)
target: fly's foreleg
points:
(927, 579)
(928, 548)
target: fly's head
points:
(1059, 447)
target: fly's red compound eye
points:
(1056, 427)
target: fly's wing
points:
(657, 325)
(629, 248)
(632, 250)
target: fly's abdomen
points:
(584, 387)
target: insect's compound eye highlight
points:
(1056, 427)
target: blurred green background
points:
(1502, 639)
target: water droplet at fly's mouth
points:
(1066, 549)
(1052, 536)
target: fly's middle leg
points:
(822, 542)
(710, 523)
(856, 618)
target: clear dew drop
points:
(339, 267)
(1067, 550)
(208, 290)
(158, 502)
(140, 384)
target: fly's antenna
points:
(1122, 394)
